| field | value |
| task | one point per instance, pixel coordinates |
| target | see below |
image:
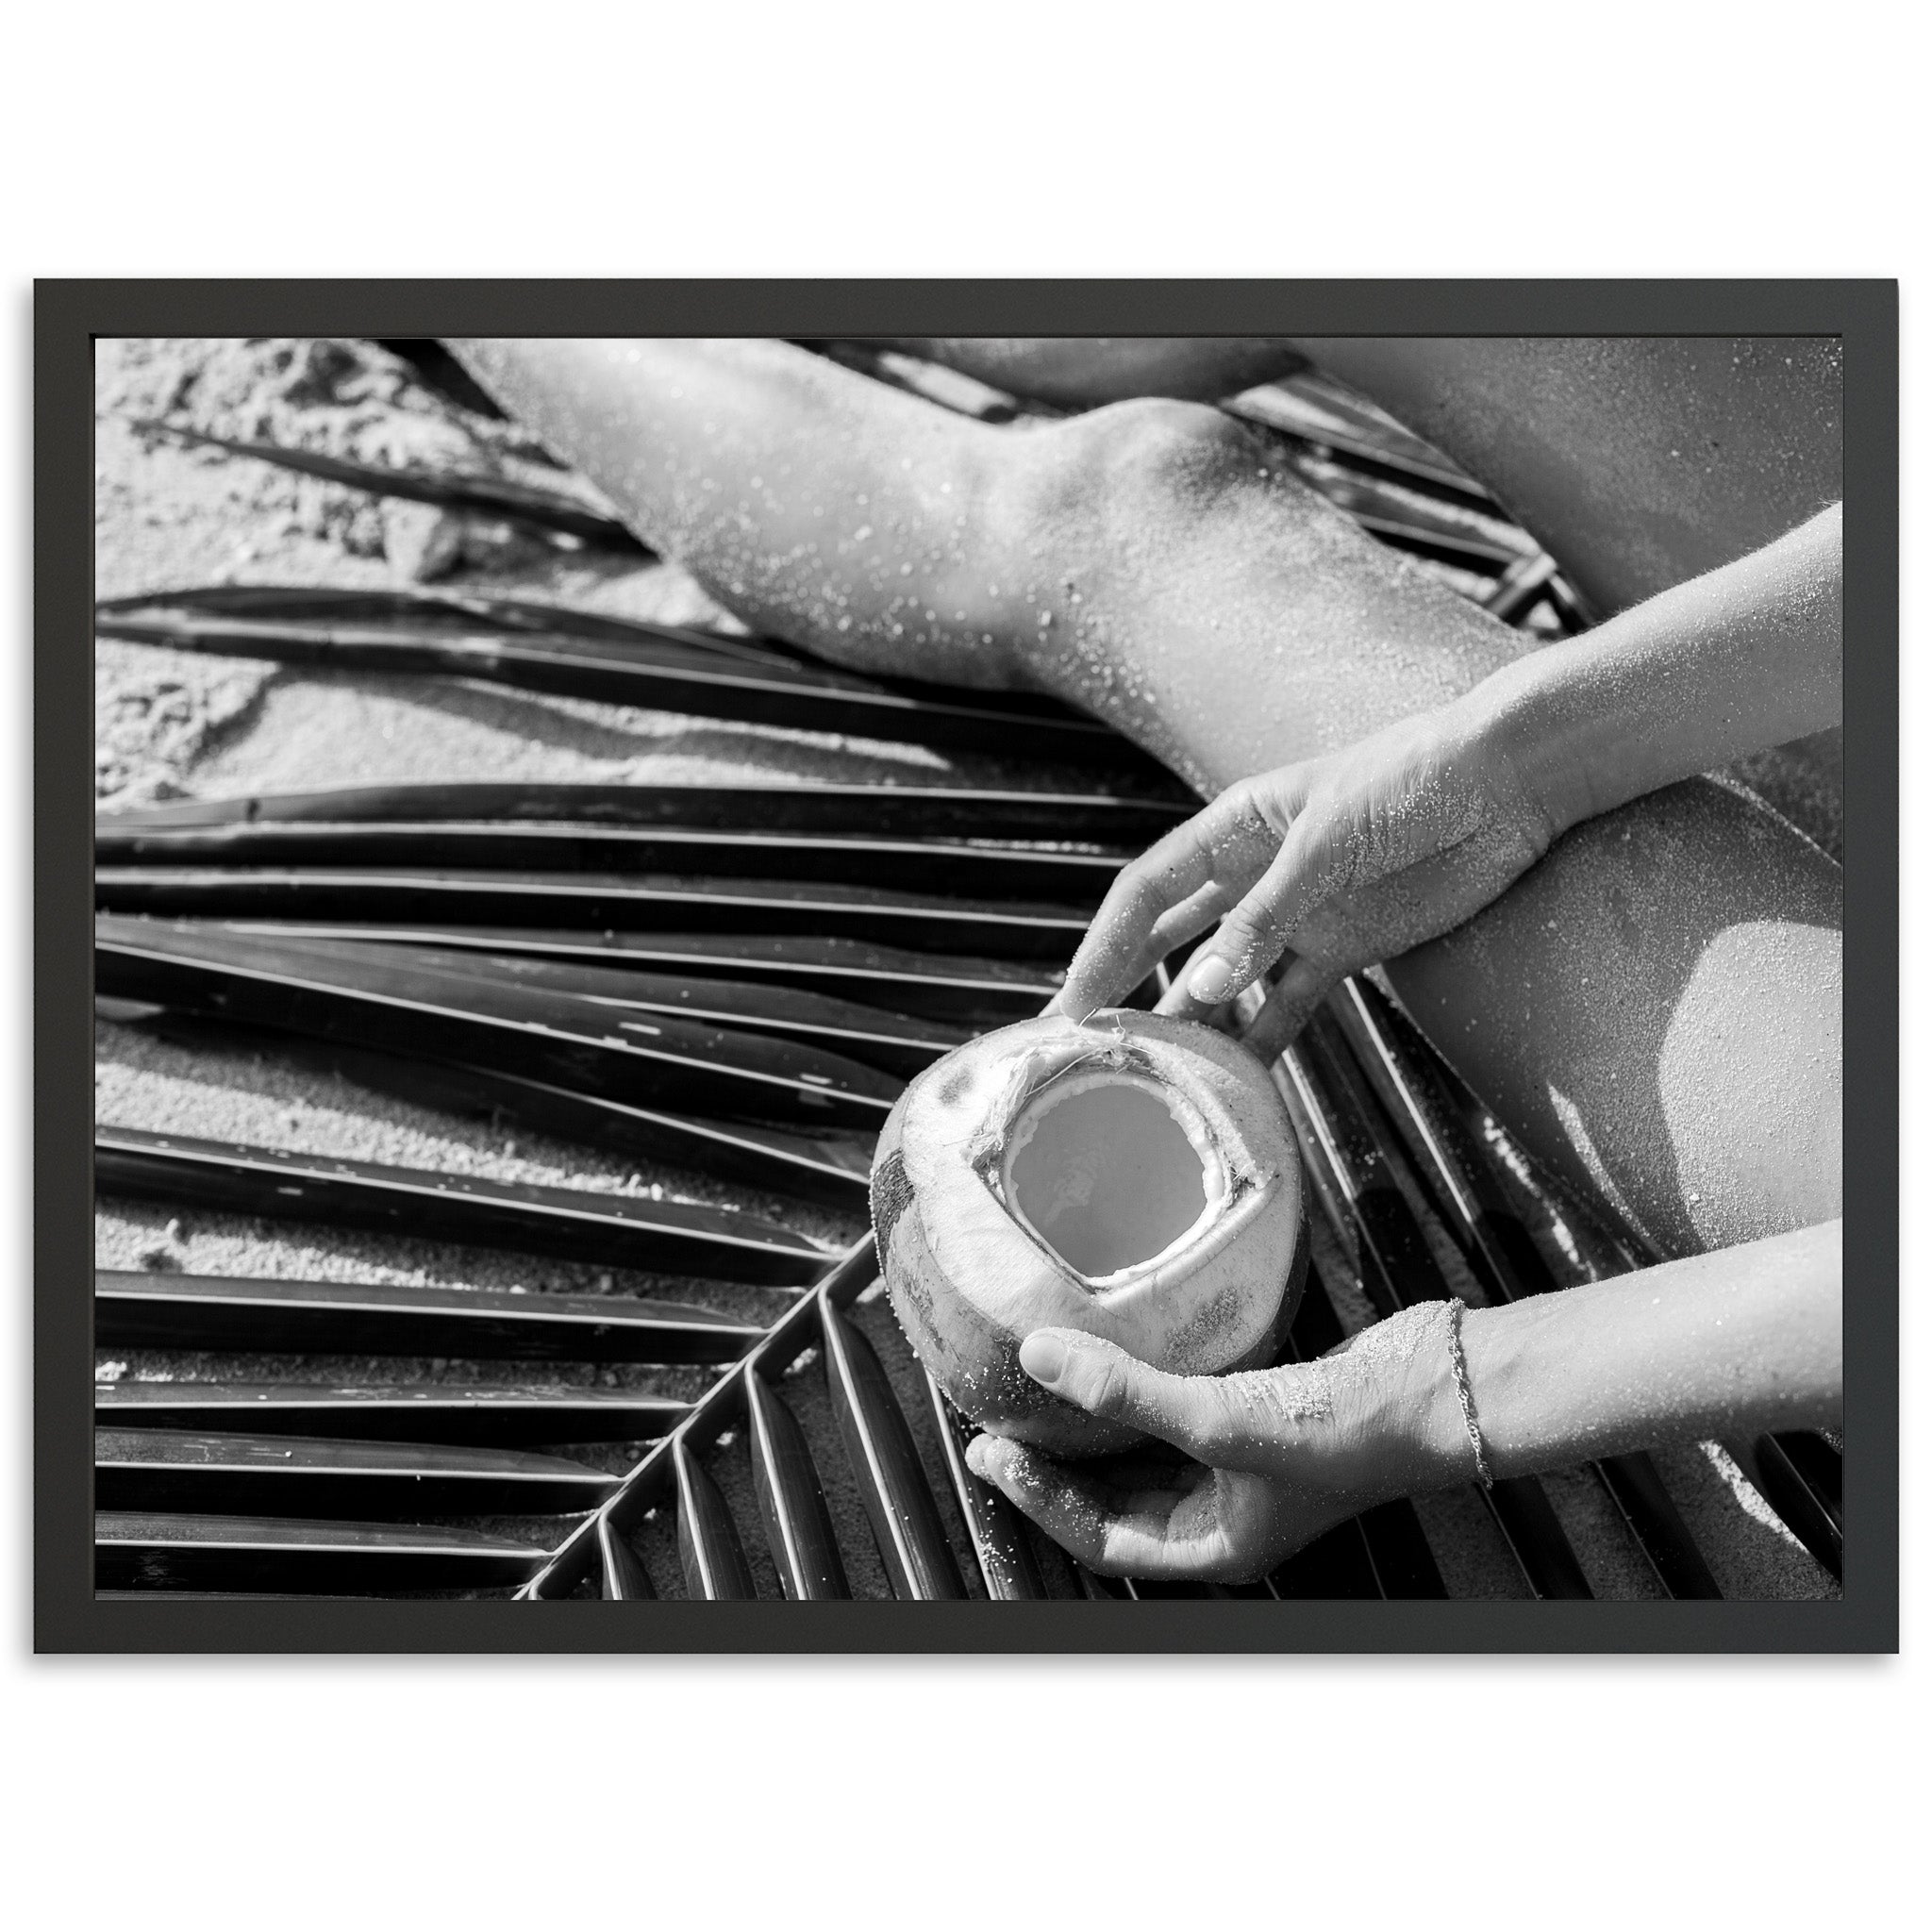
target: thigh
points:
(1637, 461)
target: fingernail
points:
(979, 1457)
(1043, 1357)
(1211, 981)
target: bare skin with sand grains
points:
(1637, 969)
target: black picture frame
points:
(67, 317)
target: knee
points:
(1130, 464)
(1146, 452)
(1153, 433)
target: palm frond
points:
(653, 668)
(607, 902)
(496, 496)
(395, 998)
(271, 1555)
(625, 1231)
(259, 1313)
(328, 1476)
(507, 1416)
(983, 872)
(1121, 826)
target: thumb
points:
(1190, 1411)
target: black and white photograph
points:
(967, 968)
(1083, 969)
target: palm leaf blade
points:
(607, 902)
(249, 1313)
(886, 811)
(906, 865)
(275, 1554)
(792, 1499)
(912, 1541)
(460, 1414)
(400, 1000)
(195, 1473)
(715, 1568)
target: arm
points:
(1746, 1340)
(1745, 656)
(1352, 858)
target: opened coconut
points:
(1135, 1176)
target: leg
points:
(1654, 1009)
(821, 506)
(1081, 370)
(1637, 461)
(892, 536)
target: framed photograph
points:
(1165, 973)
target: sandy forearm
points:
(1747, 1339)
(1742, 657)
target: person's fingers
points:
(1291, 1002)
(1077, 1510)
(1376, 921)
(1170, 1531)
(1192, 1412)
(1227, 847)
(1192, 917)
(1107, 961)
(1184, 921)
(1312, 862)
(1188, 920)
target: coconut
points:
(1133, 1176)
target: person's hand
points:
(1279, 1454)
(1339, 861)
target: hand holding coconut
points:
(1741, 1340)
(1134, 1178)
(1278, 1455)
(1344, 861)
